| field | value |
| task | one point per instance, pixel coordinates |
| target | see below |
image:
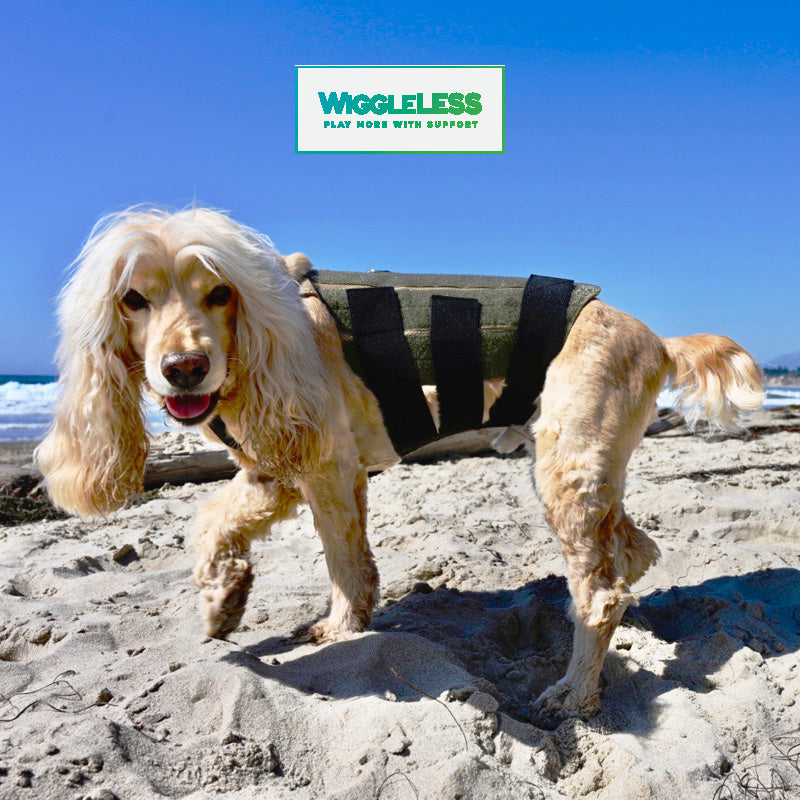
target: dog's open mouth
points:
(189, 409)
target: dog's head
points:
(180, 314)
(202, 313)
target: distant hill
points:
(790, 361)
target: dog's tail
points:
(715, 378)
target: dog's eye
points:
(134, 300)
(219, 295)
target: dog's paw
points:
(323, 632)
(224, 588)
(561, 701)
(310, 633)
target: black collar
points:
(221, 432)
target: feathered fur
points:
(94, 455)
(152, 289)
(715, 378)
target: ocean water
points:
(781, 396)
(775, 397)
(26, 403)
(26, 408)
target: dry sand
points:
(110, 690)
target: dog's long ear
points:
(93, 456)
(283, 384)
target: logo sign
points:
(400, 109)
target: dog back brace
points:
(400, 332)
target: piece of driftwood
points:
(468, 443)
(204, 466)
(178, 468)
(668, 419)
(215, 465)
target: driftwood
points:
(23, 498)
(668, 419)
(178, 468)
(204, 466)
(175, 468)
(469, 443)
(20, 479)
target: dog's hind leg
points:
(596, 403)
(245, 509)
(338, 499)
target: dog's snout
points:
(185, 370)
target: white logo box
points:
(400, 109)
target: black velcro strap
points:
(540, 336)
(389, 368)
(221, 432)
(456, 351)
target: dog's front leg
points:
(338, 499)
(246, 508)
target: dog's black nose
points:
(185, 370)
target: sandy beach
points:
(108, 688)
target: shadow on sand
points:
(512, 644)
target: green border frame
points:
(501, 67)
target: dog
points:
(205, 316)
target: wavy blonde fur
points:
(715, 378)
(93, 457)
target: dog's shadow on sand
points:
(515, 643)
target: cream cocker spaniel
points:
(205, 316)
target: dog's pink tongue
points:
(188, 406)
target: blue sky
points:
(652, 149)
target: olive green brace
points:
(506, 328)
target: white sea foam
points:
(26, 410)
(775, 397)
(27, 398)
(781, 396)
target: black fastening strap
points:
(540, 336)
(221, 432)
(389, 366)
(456, 351)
